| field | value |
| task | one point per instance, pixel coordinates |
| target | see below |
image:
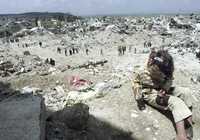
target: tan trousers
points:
(178, 103)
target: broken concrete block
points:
(60, 90)
(22, 117)
(27, 53)
(30, 90)
(5, 65)
(74, 117)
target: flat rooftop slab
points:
(22, 117)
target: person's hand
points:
(162, 93)
(141, 104)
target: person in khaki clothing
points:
(154, 86)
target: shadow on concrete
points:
(167, 114)
(95, 129)
(6, 90)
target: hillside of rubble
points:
(82, 69)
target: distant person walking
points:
(58, 50)
(119, 50)
(65, 51)
(101, 52)
(87, 51)
(40, 44)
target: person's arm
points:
(167, 86)
(138, 92)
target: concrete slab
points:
(22, 117)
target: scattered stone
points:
(92, 63)
(174, 24)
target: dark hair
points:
(163, 60)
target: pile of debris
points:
(6, 68)
(175, 24)
(186, 46)
(91, 63)
(20, 64)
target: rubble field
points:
(83, 68)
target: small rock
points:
(27, 53)
(195, 79)
(147, 129)
(134, 115)
(30, 90)
(60, 90)
(154, 139)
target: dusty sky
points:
(99, 7)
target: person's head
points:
(163, 60)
